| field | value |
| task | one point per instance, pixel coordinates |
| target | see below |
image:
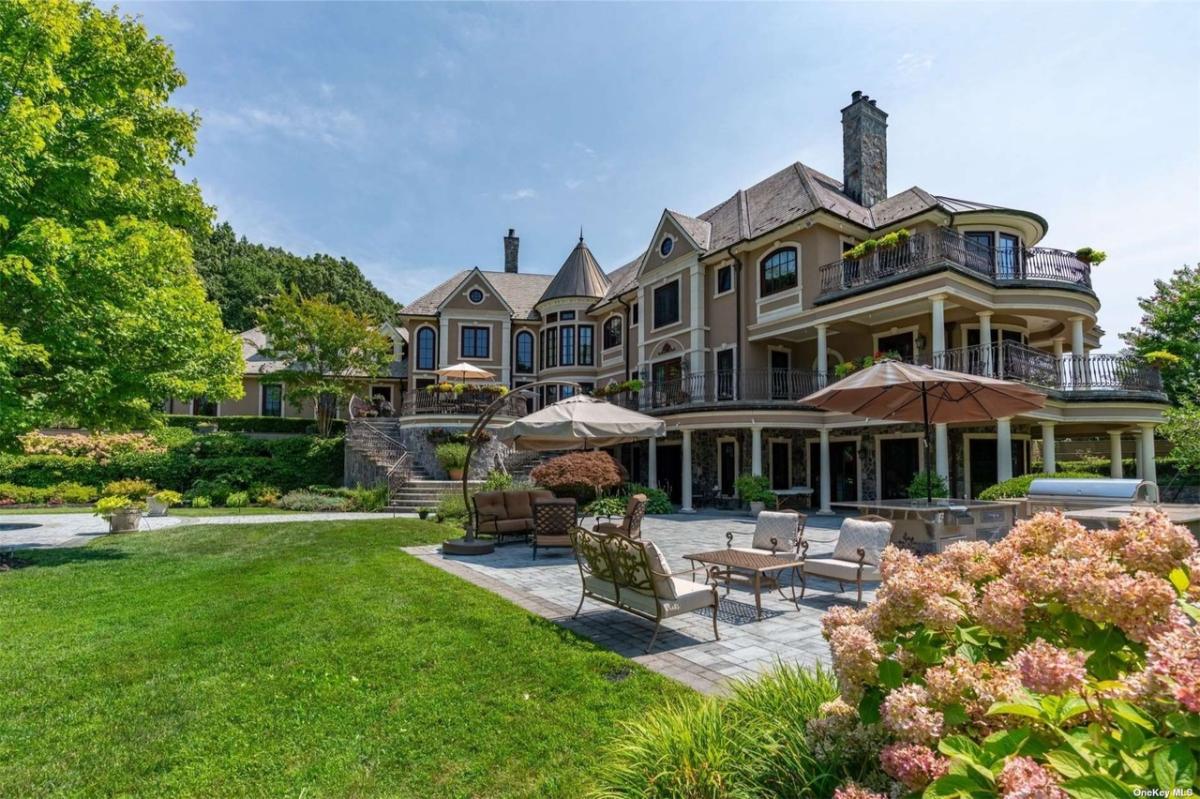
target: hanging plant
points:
(894, 239)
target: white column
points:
(1003, 450)
(1078, 367)
(652, 464)
(1116, 468)
(822, 354)
(443, 342)
(937, 322)
(696, 360)
(1139, 459)
(826, 488)
(686, 486)
(941, 452)
(506, 352)
(1049, 462)
(1149, 470)
(1063, 378)
(985, 342)
(755, 450)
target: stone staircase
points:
(417, 494)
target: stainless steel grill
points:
(1067, 494)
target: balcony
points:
(466, 403)
(944, 249)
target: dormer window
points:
(778, 272)
(665, 247)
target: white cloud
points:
(911, 65)
(572, 183)
(519, 194)
(332, 126)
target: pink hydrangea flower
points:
(853, 791)
(1047, 669)
(907, 715)
(913, 765)
(970, 560)
(1002, 608)
(1173, 662)
(1023, 778)
(1149, 541)
(840, 616)
(856, 658)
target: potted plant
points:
(158, 504)
(423, 513)
(756, 490)
(453, 458)
(123, 514)
(1091, 256)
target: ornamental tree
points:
(328, 350)
(1166, 334)
(102, 315)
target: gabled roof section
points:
(520, 291)
(621, 280)
(579, 276)
(909, 202)
(699, 231)
(474, 274)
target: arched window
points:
(613, 328)
(426, 348)
(523, 352)
(779, 272)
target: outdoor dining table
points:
(751, 568)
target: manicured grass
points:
(293, 660)
(234, 512)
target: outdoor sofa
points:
(633, 575)
(507, 513)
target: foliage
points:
(1018, 487)
(925, 485)
(847, 368)
(657, 501)
(102, 314)
(1182, 429)
(451, 455)
(754, 488)
(440, 435)
(366, 499)
(238, 499)
(497, 480)
(1059, 661)
(256, 424)
(1091, 256)
(328, 350)
(62, 493)
(100, 447)
(753, 744)
(306, 500)
(1168, 325)
(615, 388)
(241, 277)
(451, 508)
(580, 474)
(132, 488)
(107, 506)
(893, 239)
(201, 501)
(169, 498)
(606, 506)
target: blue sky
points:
(410, 137)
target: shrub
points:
(217, 491)
(107, 506)
(255, 424)
(497, 480)
(74, 493)
(201, 501)
(43, 471)
(1018, 487)
(133, 488)
(657, 500)
(22, 495)
(264, 494)
(312, 501)
(937, 487)
(580, 474)
(367, 499)
(238, 499)
(606, 506)
(451, 508)
(1059, 661)
(169, 498)
(99, 447)
(452, 455)
(754, 488)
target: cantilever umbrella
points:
(465, 371)
(902, 392)
(580, 422)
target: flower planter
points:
(455, 474)
(125, 521)
(156, 508)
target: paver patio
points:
(685, 650)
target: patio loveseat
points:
(507, 513)
(633, 575)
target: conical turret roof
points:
(579, 276)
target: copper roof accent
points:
(579, 276)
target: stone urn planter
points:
(156, 507)
(125, 520)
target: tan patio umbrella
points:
(465, 371)
(580, 422)
(902, 392)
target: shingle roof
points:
(622, 279)
(520, 290)
(698, 229)
(579, 276)
(254, 340)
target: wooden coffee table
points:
(751, 568)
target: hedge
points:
(1018, 487)
(235, 459)
(255, 424)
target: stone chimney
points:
(864, 150)
(511, 244)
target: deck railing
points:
(464, 403)
(762, 386)
(924, 251)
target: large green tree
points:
(241, 276)
(1169, 333)
(102, 314)
(329, 351)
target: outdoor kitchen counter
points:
(926, 527)
(1110, 517)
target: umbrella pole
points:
(925, 416)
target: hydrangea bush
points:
(1059, 662)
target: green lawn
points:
(292, 660)
(256, 511)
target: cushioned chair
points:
(855, 554)
(506, 513)
(633, 575)
(775, 533)
(630, 525)
(552, 523)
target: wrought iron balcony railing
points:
(463, 403)
(946, 247)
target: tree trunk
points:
(326, 411)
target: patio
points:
(685, 649)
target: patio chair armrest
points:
(802, 547)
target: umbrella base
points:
(465, 546)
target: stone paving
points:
(685, 649)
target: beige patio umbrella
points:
(580, 422)
(465, 371)
(902, 392)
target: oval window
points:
(475, 296)
(667, 245)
